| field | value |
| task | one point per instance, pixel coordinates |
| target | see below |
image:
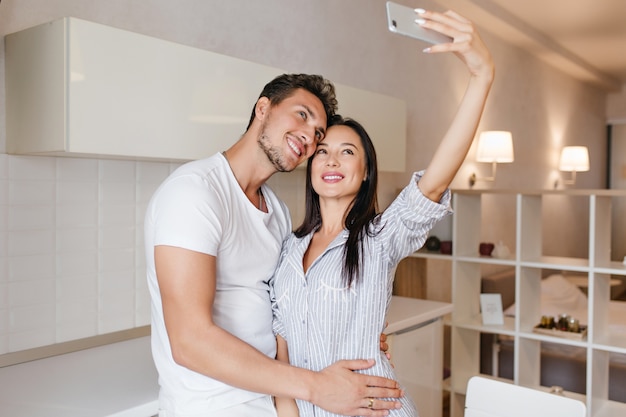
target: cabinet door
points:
(418, 359)
(96, 90)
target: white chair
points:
(491, 398)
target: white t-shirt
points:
(201, 207)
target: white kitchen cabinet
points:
(415, 337)
(532, 215)
(79, 88)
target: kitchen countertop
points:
(405, 313)
(119, 379)
(114, 380)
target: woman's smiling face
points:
(338, 167)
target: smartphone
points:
(401, 20)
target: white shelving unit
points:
(529, 259)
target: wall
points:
(616, 106)
(618, 181)
(616, 116)
(70, 252)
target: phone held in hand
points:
(401, 20)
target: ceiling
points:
(585, 38)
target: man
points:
(213, 233)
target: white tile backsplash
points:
(82, 311)
(145, 191)
(77, 318)
(3, 236)
(4, 300)
(116, 282)
(30, 242)
(112, 237)
(151, 172)
(31, 267)
(4, 166)
(116, 311)
(4, 189)
(116, 214)
(75, 289)
(4, 319)
(32, 168)
(117, 192)
(116, 260)
(31, 192)
(41, 336)
(116, 171)
(32, 292)
(77, 192)
(77, 169)
(33, 316)
(77, 263)
(77, 240)
(71, 249)
(78, 215)
(31, 217)
(66, 331)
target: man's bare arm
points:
(187, 284)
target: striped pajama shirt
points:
(322, 319)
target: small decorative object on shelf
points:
(485, 248)
(547, 322)
(432, 244)
(446, 247)
(566, 327)
(501, 251)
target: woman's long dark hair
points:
(362, 213)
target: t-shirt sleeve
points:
(189, 215)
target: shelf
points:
(572, 192)
(430, 255)
(554, 339)
(611, 409)
(557, 262)
(611, 343)
(615, 268)
(560, 231)
(508, 328)
(488, 260)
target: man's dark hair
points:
(285, 85)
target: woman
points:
(333, 284)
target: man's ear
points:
(262, 107)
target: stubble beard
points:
(273, 153)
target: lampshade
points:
(495, 146)
(574, 158)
